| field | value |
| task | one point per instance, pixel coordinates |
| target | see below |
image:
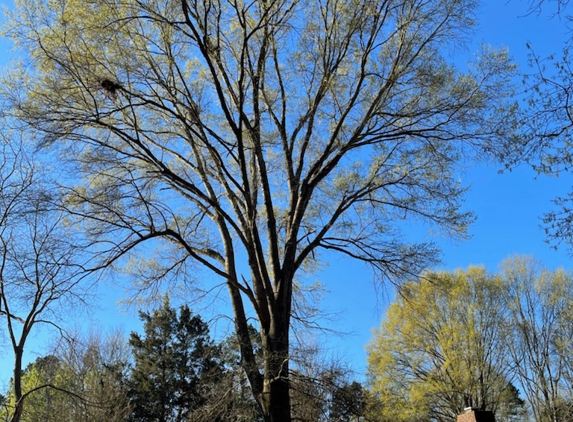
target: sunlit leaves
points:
(440, 348)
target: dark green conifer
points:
(173, 362)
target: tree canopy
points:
(441, 348)
(81, 382)
(175, 364)
(172, 372)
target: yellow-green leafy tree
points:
(441, 348)
(251, 138)
(84, 381)
(45, 383)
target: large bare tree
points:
(39, 271)
(249, 137)
(540, 335)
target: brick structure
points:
(474, 415)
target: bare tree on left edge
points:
(39, 258)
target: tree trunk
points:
(19, 402)
(279, 403)
(276, 394)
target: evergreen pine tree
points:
(173, 361)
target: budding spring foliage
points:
(259, 100)
(441, 347)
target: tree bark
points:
(18, 400)
(276, 395)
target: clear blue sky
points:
(508, 208)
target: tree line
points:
(475, 339)
(451, 340)
(173, 372)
